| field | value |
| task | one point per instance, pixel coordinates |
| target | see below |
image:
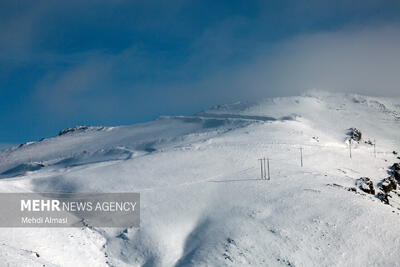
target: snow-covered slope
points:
(202, 200)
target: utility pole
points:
(301, 156)
(262, 171)
(375, 147)
(264, 168)
(350, 147)
(265, 174)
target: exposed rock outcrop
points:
(388, 184)
(383, 197)
(366, 185)
(396, 167)
(396, 171)
(355, 134)
(81, 128)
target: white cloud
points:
(362, 60)
(5, 146)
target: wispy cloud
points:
(5, 146)
(67, 89)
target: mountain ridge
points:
(203, 202)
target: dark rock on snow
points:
(383, 197)
(395, 167)
(355, 134)
(370, 142)
(396, 175)
(396, 172)
(388, 184)
(366, 185)
(80, 128)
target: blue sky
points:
(66, 63)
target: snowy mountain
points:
(202, 200)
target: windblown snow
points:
(203, 202)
